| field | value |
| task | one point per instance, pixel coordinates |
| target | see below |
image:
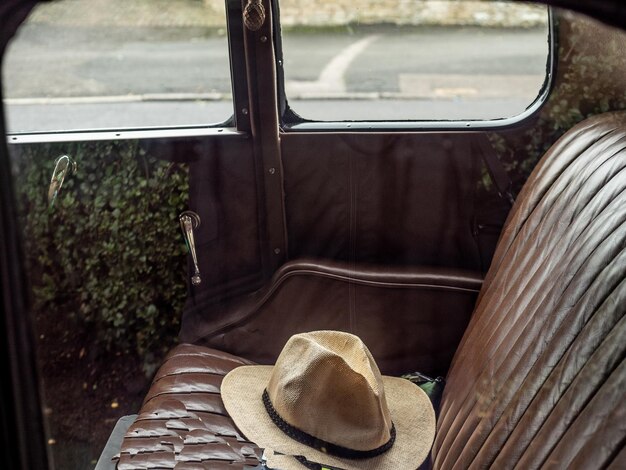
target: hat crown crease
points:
(329, 386)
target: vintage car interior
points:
(487, 253)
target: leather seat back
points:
(539, 377)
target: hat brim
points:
(410, 408)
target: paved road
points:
(90, 77)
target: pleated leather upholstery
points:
(539, 379)
(182, 424)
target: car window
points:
(106, 264)
(422, 60)
(95, 64)
(105, 257)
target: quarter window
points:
(418, 60)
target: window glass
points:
(419, 60)
(109, 271)
(106, 262)
(97, 64)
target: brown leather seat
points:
(182, 423)
(539, 377)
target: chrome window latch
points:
(189, 221)
(63, 166)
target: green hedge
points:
(109, 255)
(588, 82)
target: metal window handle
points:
(63, 166)
(189, 221)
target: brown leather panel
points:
(203, 364)
(189, 382)
(598, 430)
(381, 275)
(224, 192)
(539, 376)
(390, 199)
(619, 461)
(554, 409)
(183, 423)
(410, 318)
(191, 350)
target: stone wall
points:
(429, 12)
(410, 12)
(294, 13)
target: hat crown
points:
(327, 384)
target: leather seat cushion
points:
(538, 380)
(182, 423)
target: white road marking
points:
(332, 78)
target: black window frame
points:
(290, 121)
(236, 124)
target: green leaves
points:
(591, 64)
(110, 253)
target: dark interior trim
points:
(612, 12)
(239, 79)
(260, 65)
(22, 434)
(128, 134)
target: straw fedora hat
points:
(325, 400)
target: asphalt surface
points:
(75, 78)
